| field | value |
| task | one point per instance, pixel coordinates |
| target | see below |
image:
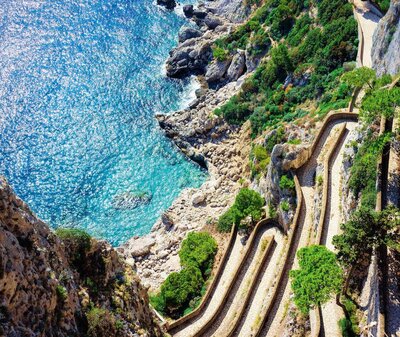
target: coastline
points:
(209, 141)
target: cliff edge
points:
(67, 285)
(386, 42)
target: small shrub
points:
(285, 206)
(320, 180)
(180, 288)
(220, 54)
(286, 183)
(229, 218)
(101, 323)
(62, 293)
(77, 242)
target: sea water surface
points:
(80, 82)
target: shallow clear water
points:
(80, 82)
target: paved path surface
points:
(189, 328)
(273, 325)
(331, 312)
(393, 300)
(367, 17)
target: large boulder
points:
(212, 21)
(169, 4)
(191, 57)
(187, 33)
(188, 10)
(237, 67)
(216, 71)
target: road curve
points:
(272, 324)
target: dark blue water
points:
(80, 82)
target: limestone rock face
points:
(386, 42)
(216, 71)
(42, 292)
(186, 33)
(237, 67)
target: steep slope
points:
(386, 41)
(50, 287)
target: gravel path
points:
(393, 300)
(368, 18)
(331, 312)
(251, 318)
(240, 288)
(273, 324)
(191, 326)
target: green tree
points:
(318, 279)
(359, 77)
(381, 102)
(198, 249)
(179, 288)
(365, 231)
(249, 202)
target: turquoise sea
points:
(80, 82)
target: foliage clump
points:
(308, 48)
(181, 291)
(78, 243)
(318, 279)
(198, 250)
(247, 203)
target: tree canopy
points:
(359, 77)
(198, 249)
(317, 280)
(247, 203)
(365, 231)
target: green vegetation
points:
(259, 160)
(101, 323)
(247, 203)
(313, 49)
(62, 293)
(220, 54)
(285, 206)
(287, 183)
(363, 173)
(198, 250)
(78, 243)
(181, 292)
(380, 102)
(349, 326)
(359, 77)
(383, 5)
(317, 280)
(365, 231)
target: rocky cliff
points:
(386, 48)
(74, 286)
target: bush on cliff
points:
(247, 203)
(198, 250)
(78, 243)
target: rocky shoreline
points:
(204, 138)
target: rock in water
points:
(169, 4)
(386, 42)
(188, 10)
(130, 200)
